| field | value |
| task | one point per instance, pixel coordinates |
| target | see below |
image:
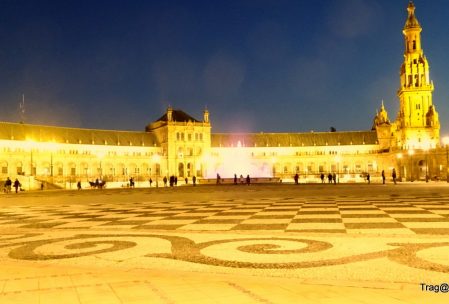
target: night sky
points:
(271, 66)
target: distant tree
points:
(333, 129)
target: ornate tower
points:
(418, 124)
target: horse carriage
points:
(98, 184)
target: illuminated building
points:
(178, 144)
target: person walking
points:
(322, 178)
(8, 185)
(296, 178)
(235, 179)
(393, 175)
(383, 177)
(151, 181)
(78, 185)
(194, 180)
(368, 178)
(17, 185)
(218, 179)
(165, 181)
(248, 180)
(241, 179)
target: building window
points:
(189, 137)
(4, 169)
(414, 46)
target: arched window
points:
(181, 170)
(4, 166)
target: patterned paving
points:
(382, 214)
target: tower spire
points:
(417, 119)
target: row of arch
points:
(83, 169)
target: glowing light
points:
(156, 158)
(238, 161)
(399, 155)
(446, 140)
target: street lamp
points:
(156, 159)
(410, 153)
(52, 148)
(338, 159)
(446, 144)
(399, 157)
(426, 149)
(100, 156)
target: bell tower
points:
(417, 122)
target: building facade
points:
(178, 144)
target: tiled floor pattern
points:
(333, 214)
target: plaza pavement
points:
(227, 244)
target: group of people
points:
(173, 181)
(331, 177)
(241, 179)
(9, 184)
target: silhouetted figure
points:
(194, 180)
(42, 186)
(176, 181)
(329, 177)
(172, 180)
(248, 180)
(383, 177)
(235, 179)
(241, 179)
(17, 185)
(78, 185)
(97, 183)
(131, 182)
(8, 184)
(334, 177)
(322, 178)
(165, 181)
(218, 178)
(368, 178)
(296, 178)
(151, 181)
(186, 180)
(393, 175)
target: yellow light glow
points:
(100, 154)
(399, 155)
(411, 152)
(446, 140)
(156, 158)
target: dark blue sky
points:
(272, 66)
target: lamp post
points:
(446, 144)
(338, 159)
(52, 149)
(399, 157)
(426, 149)
(100, 155)
(30, 144)
(410, 153)
(156, 159)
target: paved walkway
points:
(313, 244)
